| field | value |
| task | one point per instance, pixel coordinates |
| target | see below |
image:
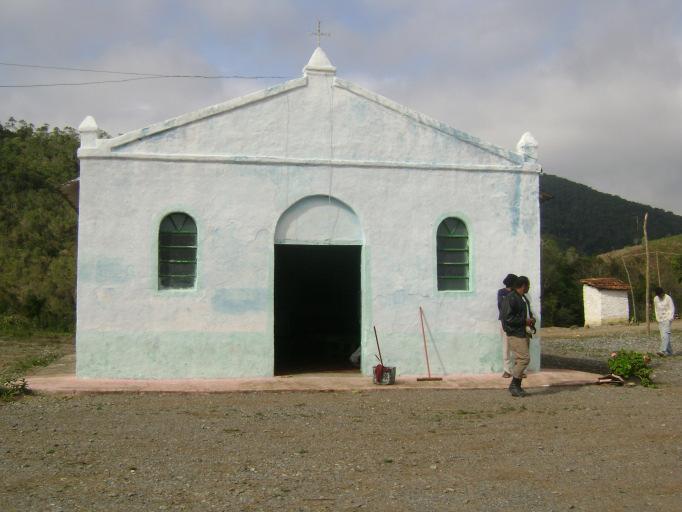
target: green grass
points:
(669, 244)
(12, 381)
(20, 353)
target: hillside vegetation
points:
(665, 262)
(594, 222)
(37, 226)
(665, 246)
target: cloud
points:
(598, 86)
(598, 83)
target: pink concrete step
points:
(342, 381)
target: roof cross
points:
(319, 32)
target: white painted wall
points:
(236, 168)
(614, 306)
(592, 306)
(605, 306)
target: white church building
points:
(269, 234)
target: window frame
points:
(469, 260)
(159, 247)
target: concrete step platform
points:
(68, 383)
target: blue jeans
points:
(664, 327)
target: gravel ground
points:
(588, 349)
(585, 448)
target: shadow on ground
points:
(582, 364)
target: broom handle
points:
(378, 348)
(426, 352)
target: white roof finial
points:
(528, 147)
(88, 125)
(88, 130)
(319, 63)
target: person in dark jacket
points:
(516, 318)
(508, 282)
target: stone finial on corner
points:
(528, 147)
(88, 130)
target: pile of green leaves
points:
(626, 364)
(37, 226)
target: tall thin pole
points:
(646, 275)
(658, 269)
(426, 352)
(632, 290)
(376, 337)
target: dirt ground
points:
(581, 448)
(19, 353)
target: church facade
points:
(273, 232)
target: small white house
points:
(605, 300)
(270, 233)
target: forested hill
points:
(594, 222)
(37, 226)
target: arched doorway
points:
(318, 250)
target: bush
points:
(13, 388)
(629, 364)
(15, 325)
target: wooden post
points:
(658, 269)
(646, 275)
(632, 291)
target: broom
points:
(378, 369)
(426, 352)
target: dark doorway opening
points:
(317, 307)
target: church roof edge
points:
(423, 119)
(203, 113)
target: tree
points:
(677, 267)
(37, 226)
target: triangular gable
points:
(311, 119)
(146, 138)
(436, 127)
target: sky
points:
(598, 83)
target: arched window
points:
(177, 251)
(453, 255)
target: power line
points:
(137, 75)
(86, 70)
(84, 83)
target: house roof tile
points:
(605, 283)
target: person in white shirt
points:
(665, 311)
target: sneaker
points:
(506, 375)
(661, 354)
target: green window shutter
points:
(177, 251)
(453, 255)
